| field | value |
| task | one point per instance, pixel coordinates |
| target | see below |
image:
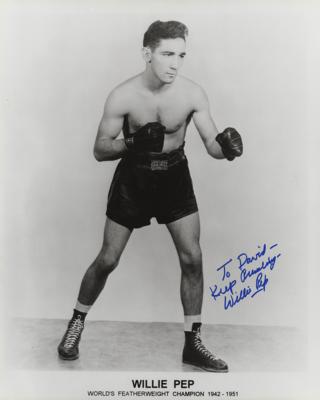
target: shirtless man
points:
(153, 109)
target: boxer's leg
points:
(114, 241)
(185, 233)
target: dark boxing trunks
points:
(151, 185)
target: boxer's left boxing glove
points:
(231, 143)
(149, 138)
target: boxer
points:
(153, 110)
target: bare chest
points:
(171, 111)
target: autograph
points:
(252, 276)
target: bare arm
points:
(205, 125)
(107, 147)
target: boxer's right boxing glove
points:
(149, 138)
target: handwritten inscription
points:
(245, 276)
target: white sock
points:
(189, 320)
(82, 307)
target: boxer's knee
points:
(107, 261)
(191, 261)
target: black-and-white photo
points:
(159, 174)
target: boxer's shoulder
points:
(187, 83)
(194, 92)
(127, 87)
(122, 95)
(191, 88)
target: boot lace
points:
(73, 333)
(200, 347)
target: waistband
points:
(158, 161)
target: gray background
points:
(61, 63)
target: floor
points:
(136, 346)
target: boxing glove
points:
(231, 143)
(149, 138)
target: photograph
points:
(160, 199)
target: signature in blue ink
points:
(216, 292)
(249, 270)
(247, 273)
(226, 274)
(261, 283)
(231, 301)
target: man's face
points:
(167, 58)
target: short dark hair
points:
(164, 30)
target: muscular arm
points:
(205, 125)
(107, 147)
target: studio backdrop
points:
(62, 61)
